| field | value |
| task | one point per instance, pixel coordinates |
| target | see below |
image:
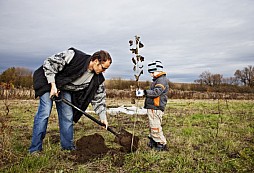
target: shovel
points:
(125, 139)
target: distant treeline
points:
(243, 82)
(128, 94)
(118, 88)
(222, 88)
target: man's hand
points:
(53, 91)
(105, 122)
(139, 93)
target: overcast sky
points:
(188, 36)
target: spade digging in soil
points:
(128, 141)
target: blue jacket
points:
(156, 96)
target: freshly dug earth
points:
(89, 147)
(127, 141)
(93, 146)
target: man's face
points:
(100, 67)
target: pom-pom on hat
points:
(155, 66)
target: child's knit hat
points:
(155, 66)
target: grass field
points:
(203, 136)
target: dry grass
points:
(203, 136)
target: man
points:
(78, 78)
(155, 103)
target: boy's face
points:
(154, 73)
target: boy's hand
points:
(139, 93)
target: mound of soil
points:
(89, 147)
(93, 146)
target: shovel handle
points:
(83, 112)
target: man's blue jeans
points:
(65, 116)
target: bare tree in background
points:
(216, 79)
(230, 81)
(207, 78)
(246, 76)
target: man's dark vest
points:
(77, 66)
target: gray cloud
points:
(188, 36)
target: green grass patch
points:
(202, 135)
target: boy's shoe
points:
(151, 143)
(161, 147)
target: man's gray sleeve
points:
(99, 102)
(54, 64)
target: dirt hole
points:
(128, 142)
(93, 146)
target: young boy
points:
(155, 102)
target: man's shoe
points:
(151, 143)
(35, 153)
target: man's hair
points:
(102, 56)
